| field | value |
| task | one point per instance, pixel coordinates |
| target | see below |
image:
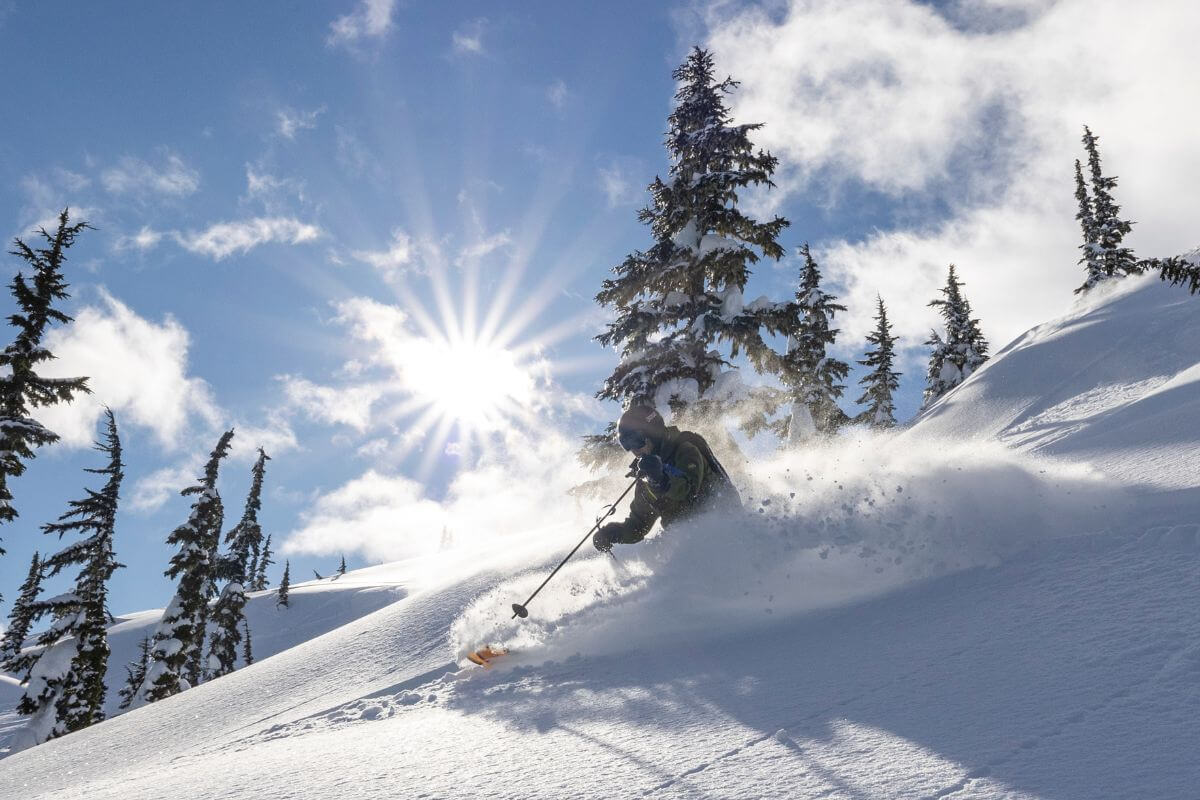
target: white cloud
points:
(273, 192)
(383, 517)
(172, 178)
(469, 38)
(289, 122)
(983, 108)
(392, 262)
(136, 367)
(154, 490)
(483, 247)
(618, 183)
(349, 405)
(557, 94)
(145, 239)
(275, 437)
(371, 19)
(226, 238)
(373, 448)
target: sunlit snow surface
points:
(997, 603)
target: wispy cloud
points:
(131, 176)
(226, 238)
(289, 121)
(338, 406)
(394, 260)
(370, 19)
(352, 154)
(557, 94)
(483, 247)
(468, 40)
(619, 182)
(145, 239)
(270, 190)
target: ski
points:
(485, 655)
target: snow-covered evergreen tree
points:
(264, 561)
(179, 639)
(20, 619)
(65, 678)
(1177, 271)
(1105, 255)
(341, 570)
(962, 351)
(135, 673)
(21, 388)
(808, 371)
(247, 650)
(227, 614)
(881, 382)
(285, 585)
(1090, 259)
(676, 302)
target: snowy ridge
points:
(1115, 383)
(995, 603)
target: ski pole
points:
(519, 609)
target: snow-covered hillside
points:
(996, 603)
(1115, 383)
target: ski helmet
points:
(639, 424)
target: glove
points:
(651, 468)
(603, 539)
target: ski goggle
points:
(631, 440)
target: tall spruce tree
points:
(1105, 256)
(962, 351)
(21, 388)
(285, 585)
(341, 570)
(264, 561)
(881, 382)
(228, 612)
(179, 638)
(66, 677)
(1090, 259)
(21, 618)
(677, 301)
(810, 373)
(135, 674)
(247, 649)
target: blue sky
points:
(306, 214)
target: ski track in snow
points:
(1069, 571)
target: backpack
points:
(725, 490)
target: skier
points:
(681, 477)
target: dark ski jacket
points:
(698, 483)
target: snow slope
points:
(967, 609)
(1115, 383)
(315, 608)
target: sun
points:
(475, 384)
